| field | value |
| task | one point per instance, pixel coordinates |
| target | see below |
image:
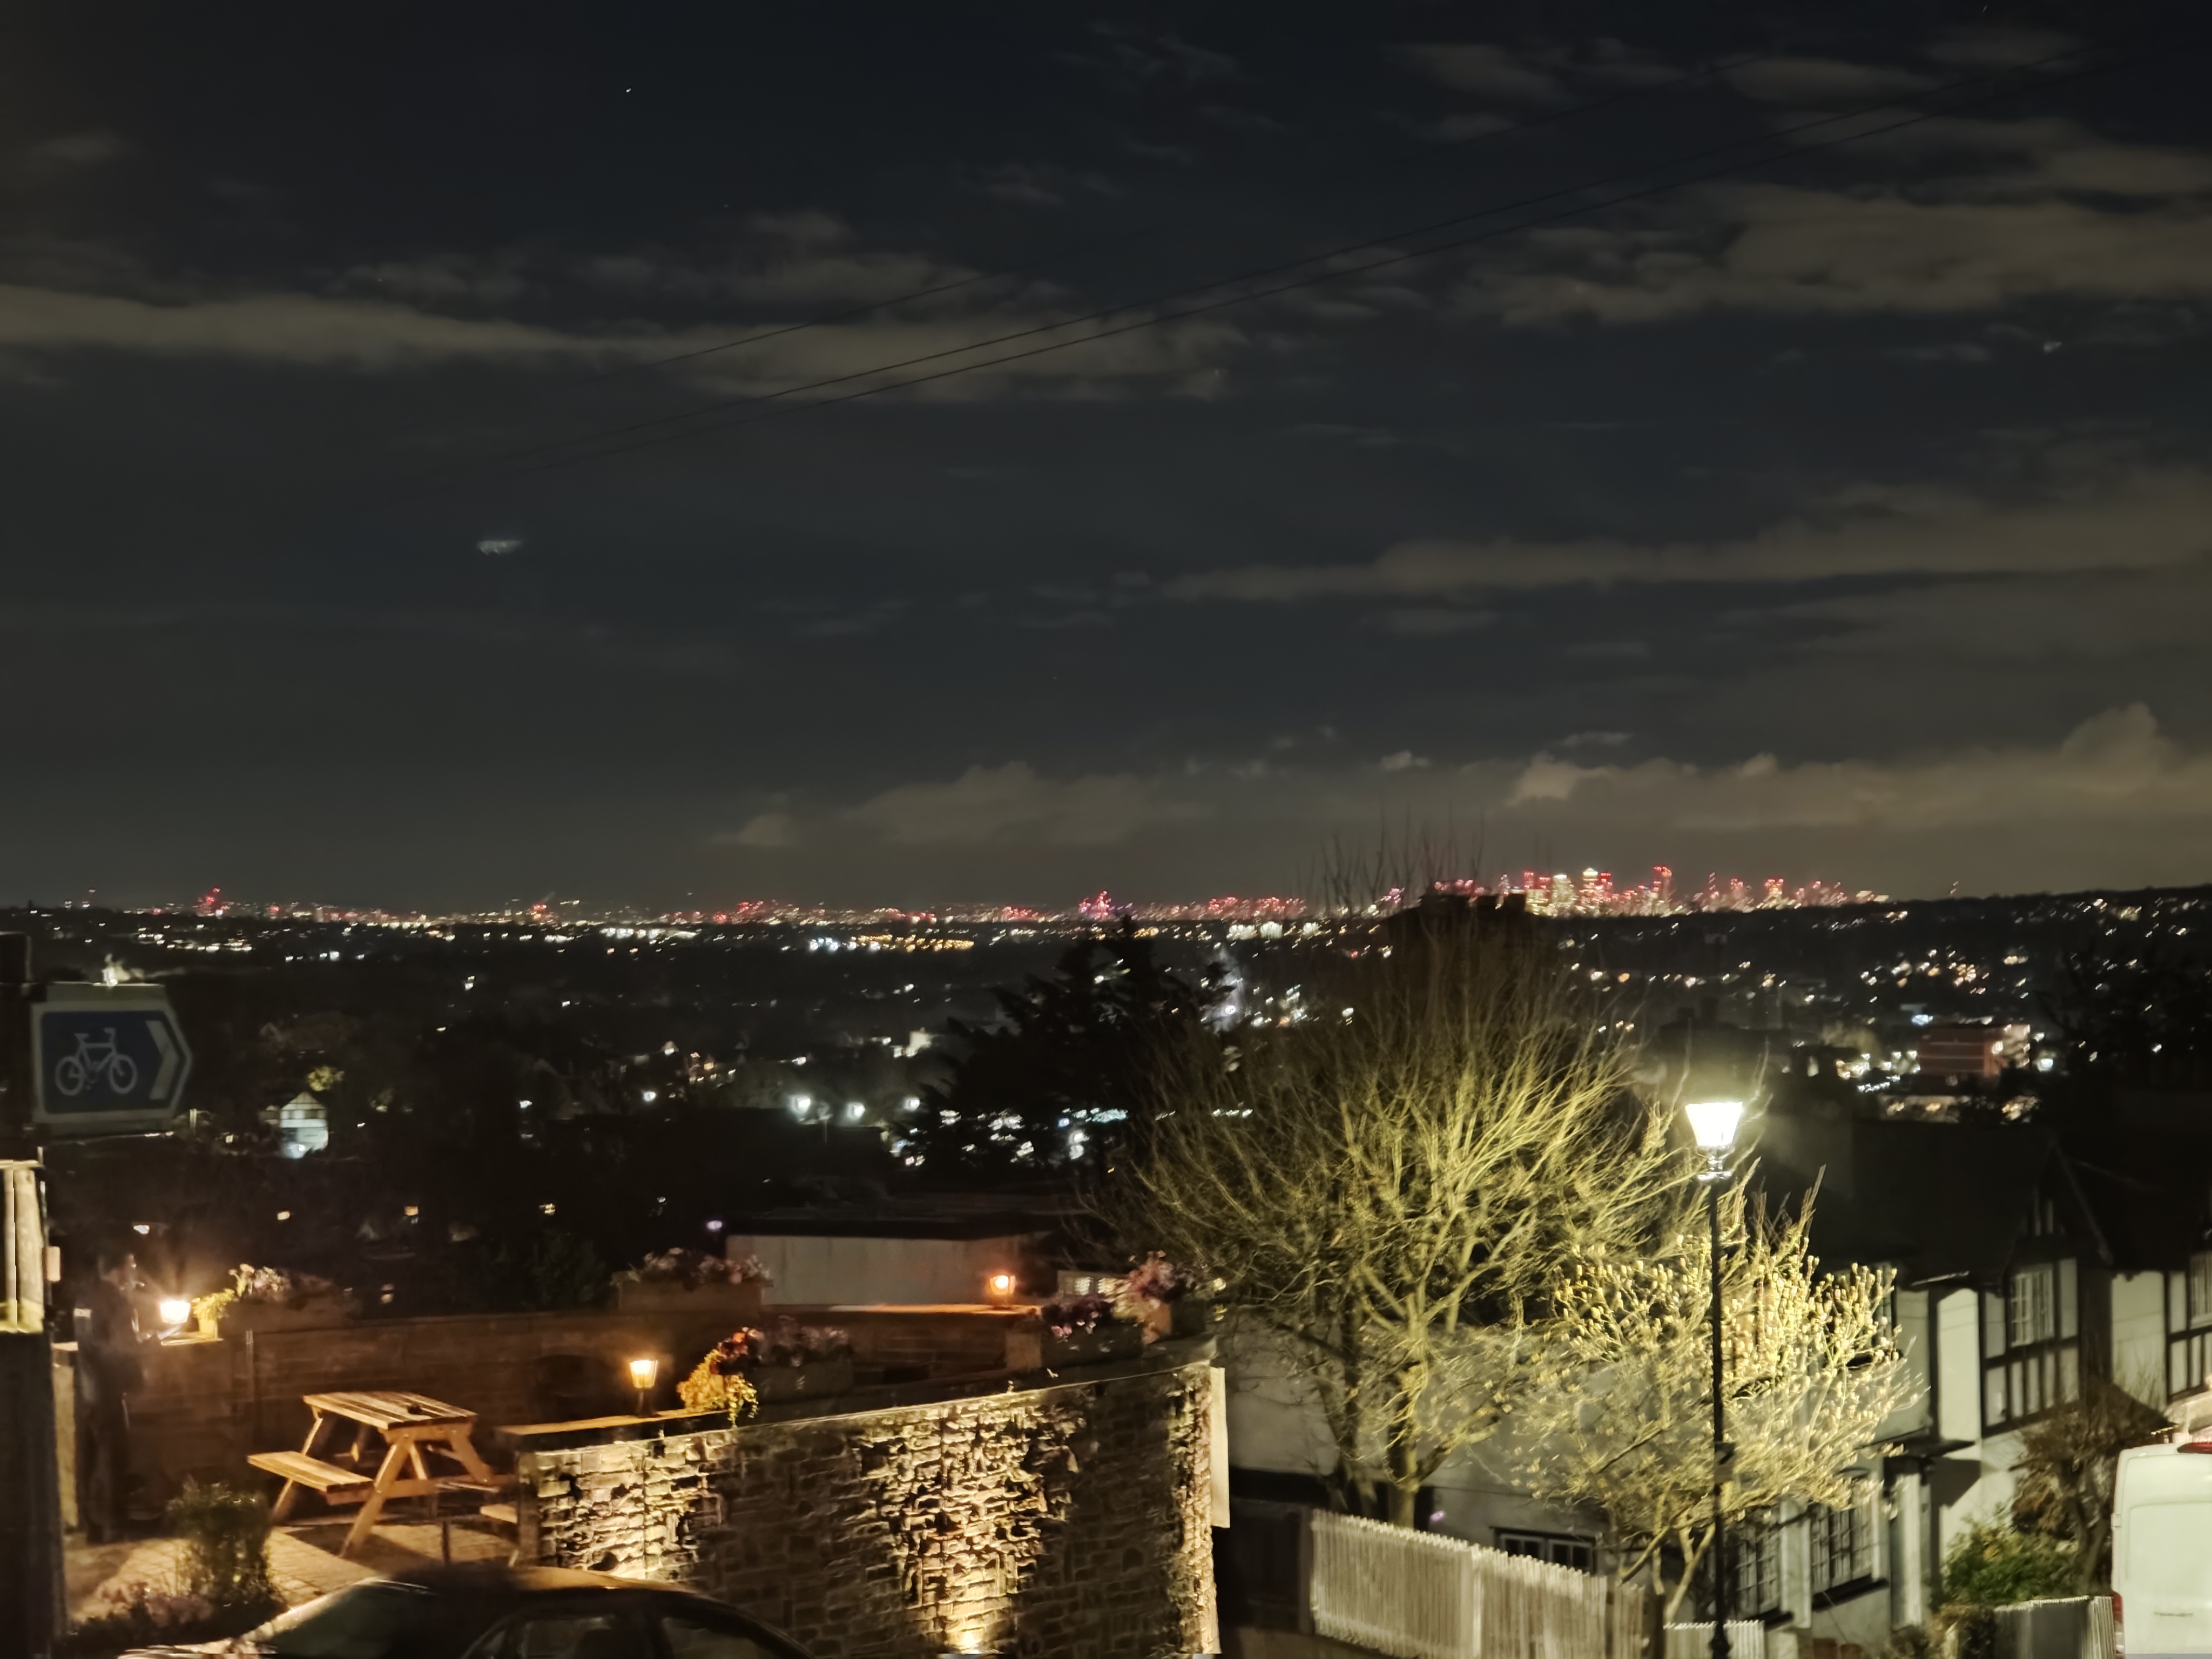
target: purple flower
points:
(1082, 1313)
(1155, 1278)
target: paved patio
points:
(303, 1557)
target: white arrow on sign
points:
(165, 1074)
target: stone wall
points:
(1073, 1521)
(206, 1404)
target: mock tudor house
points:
(2023, 1265)
(2023, 1268)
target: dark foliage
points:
(1061, 1075)
(2141, 1021)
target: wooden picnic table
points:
(415, 1430)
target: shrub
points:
(691, 1268)
(710, 1388)
(1992, 1566)
(222, 1589)
(550, 1268)
(226, 1555)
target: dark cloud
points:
(2143, 519)
(93, 148)
(1492, 70)
(356, 527)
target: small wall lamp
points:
(999, 1286)
(643, 1374)
(176, 1311)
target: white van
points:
(2162, 1550)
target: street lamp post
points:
(1713, 1125)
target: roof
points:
(2147, 1172)
(2131, 1170)
(1935, 1200)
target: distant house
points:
(1969, 1050)
(302, 1125)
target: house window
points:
(1757, 1547)
(2189, 1326)
(2199, 1290)
(1844, 1543)
(2030, 1343)
(2032, 1305)
(1560, 1549)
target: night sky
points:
(1790, 459)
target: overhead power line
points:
(1427, 152)
(2000, 84)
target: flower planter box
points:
(316, 1313)
(1035, 1348)
(740, 1305)
(1185, 1316)
(815, 1379)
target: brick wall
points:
(206, 1404)
(1072, 1521)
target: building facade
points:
(2024, 1272)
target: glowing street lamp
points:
(1713, 1124)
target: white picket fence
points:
(1416, 1596)
(1747, 1640)
(2072, 1627)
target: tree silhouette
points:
(1061, 1075)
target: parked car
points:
(534, 1612)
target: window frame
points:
(1504, 1539)
(2188, 1327)
(1863, 1528)
(1763, 1535)
(2023, 1380)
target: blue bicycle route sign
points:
(108, 1059)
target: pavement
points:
(303, 1560)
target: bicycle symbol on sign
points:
(94, 1062)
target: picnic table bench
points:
(415, 1430)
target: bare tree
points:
(2069, 1461)
(1385, 1183)
(1624, 1424)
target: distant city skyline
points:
(1593, 892)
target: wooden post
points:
(30, 1482)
